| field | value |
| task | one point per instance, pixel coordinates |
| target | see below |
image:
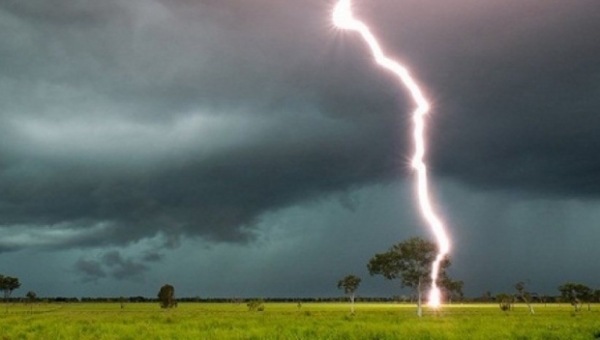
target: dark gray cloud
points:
(235, 118)
(128, 121)
(514, 87)
(123, 268)
(153, 256)
(113, 264)
(91, 270)
(521, 116)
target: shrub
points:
(256, 305)
(504, 301)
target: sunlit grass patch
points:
(287, 321)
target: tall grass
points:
(286, 321)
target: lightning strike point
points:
(435, 298)
(342, 18)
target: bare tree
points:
(525, 295)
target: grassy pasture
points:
(285, 321)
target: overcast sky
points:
(249, 148)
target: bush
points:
(504, 301)
(256, 305)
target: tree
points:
(584, 293)
(350, 284)
(166, 295)
(7, 285)
(410, 261)
(576, 294)
(452, 289)
(31, 297)
(525, 295)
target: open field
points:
(286, 321)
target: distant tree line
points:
(401, 299)
(576, 294)
(408, 261)
(143, 299)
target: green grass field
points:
(285, 321)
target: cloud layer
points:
(153, 120)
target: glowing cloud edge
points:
(342, 18)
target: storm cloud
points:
(130, 122)
(202, 140)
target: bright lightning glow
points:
(342, 17)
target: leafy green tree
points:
(31, 298)
(7, 285)
(166, 295)
(586, 295)
(525, 295)
(451, 288)
(350, 284)
(576, 294)
(410, 261)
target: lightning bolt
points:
(342, 17)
